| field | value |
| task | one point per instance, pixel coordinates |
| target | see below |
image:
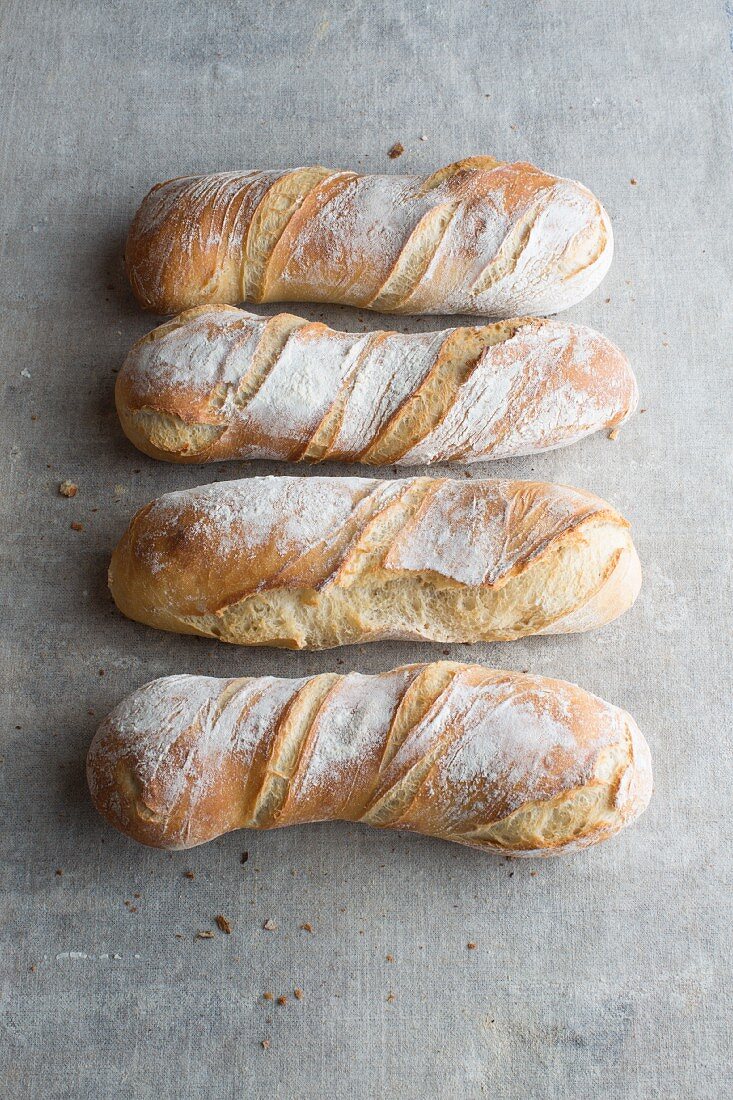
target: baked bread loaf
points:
(314, 562)
(496, 760)
(478, 236)
(218, 383)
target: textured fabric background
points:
(607, 974)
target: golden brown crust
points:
(318, 562)
(218, 383)
(479, 237)
(500, 761)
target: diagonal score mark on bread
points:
(273, 214)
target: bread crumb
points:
(204, 935)
(389, 958)
(269, 925)
(633, 181)
(223, 924)
(189, 874)
(471, 945)
(423, 137)
(77, 526)
(391, 998)
(68, 489)
(268, 996)
(396, 151)
(613, 434)
(265, 1044)
(59, 872)
(298, 994)
(282, 1000)
(307, 927)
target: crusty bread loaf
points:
(497, 760)
(314, 562)
(478, 236)
(218, 383)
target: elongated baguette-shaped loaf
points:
(218, 383)
(478, 236)
(314, 562)
(497, 760)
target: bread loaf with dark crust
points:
(315, 562)
(500, 761)
(479, 236)
(218, 383)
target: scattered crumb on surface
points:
(389, 958)
(265, 1044)
(307, 927)
(298, 994)
(204, 934)
(189, 874)
(77, 526)
(59, 872)
(244, 857)
(471, 945)
(633, 181)
(269, 925)
(282, 1000)
(68, 489)
(268, 996)
(391, 998)
(223, 924)
(613, 434)
(423, 137)
(396, 151)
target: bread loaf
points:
(496, 760)
(478, 236)
(314, 562)
(218, 383)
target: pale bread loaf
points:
(315, 562)
(478, 236)
(500, 761)
(218, 383)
